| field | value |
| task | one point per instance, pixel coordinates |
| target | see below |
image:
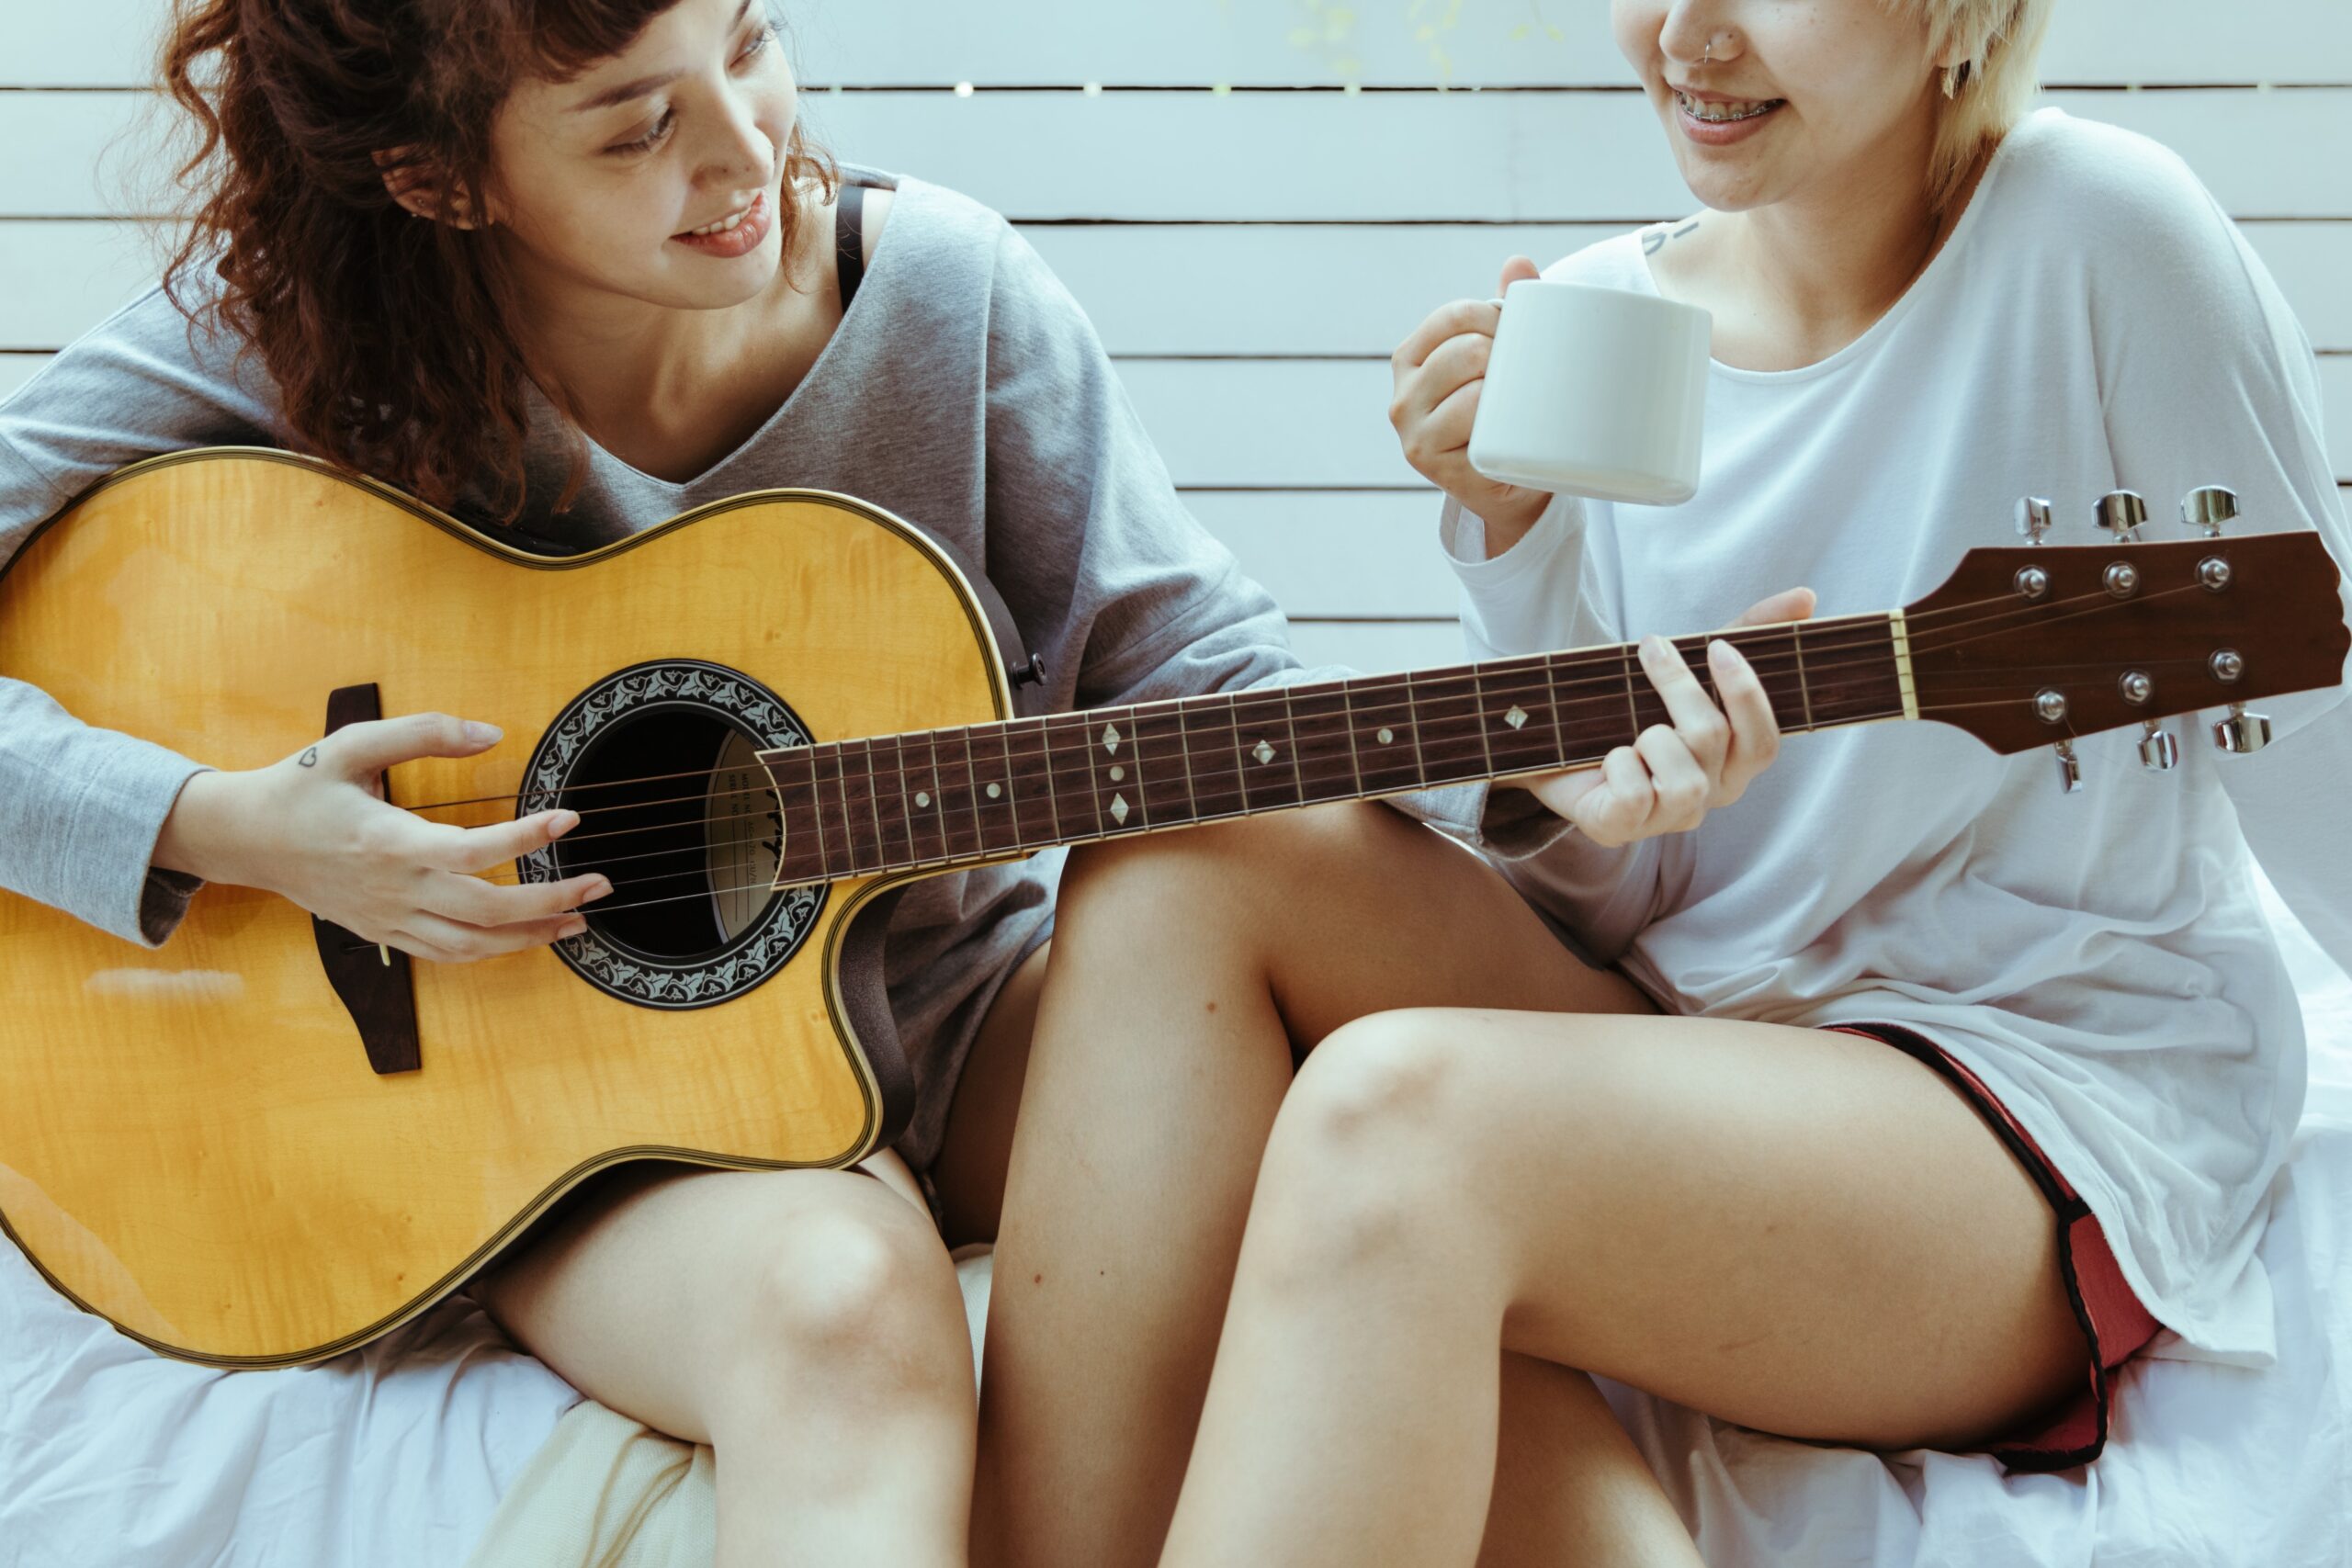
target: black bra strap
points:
(849, 233)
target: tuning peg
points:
(2120, 512)
(2033, 518)
(2243, 733)
(2159, 752)
(2070, 768)
(2209, 507)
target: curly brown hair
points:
(391, 343)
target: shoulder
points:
(2051, 157)
(950, 253)
(2107, 195)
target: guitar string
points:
(948, 767)
(891, 867)
(1619, 658)
(1614, 683)
(1864, 622)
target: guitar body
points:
(195, 1142)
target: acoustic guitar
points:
(271, 1141)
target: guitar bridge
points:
(374, 982)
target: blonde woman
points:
(1965, 1088)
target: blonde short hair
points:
(2001, 46)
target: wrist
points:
(200, 834)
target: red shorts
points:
(2116, 1326)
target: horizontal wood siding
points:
(1251, 241)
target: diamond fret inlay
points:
(1263, 751)
(1517, 716)
(1110, 738)
(1119, 809)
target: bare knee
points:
(859, 1298)
(1359, 1174)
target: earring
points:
(1956, 77)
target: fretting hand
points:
(1674, 775)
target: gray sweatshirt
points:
(965, 391)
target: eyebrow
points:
(644, 84)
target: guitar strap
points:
(1027, 670)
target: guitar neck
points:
(987, 790)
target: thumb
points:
(1790, 605)
(362, 750)
(1519, 269)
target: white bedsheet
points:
(394, 1456)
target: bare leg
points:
(1187, 970)
(805, 1324)
(1803, 1232)
(1569, 1484)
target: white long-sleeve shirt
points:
(2094, 321)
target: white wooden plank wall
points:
(1254, 221)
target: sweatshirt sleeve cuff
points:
(112, 833)
(1462, 535)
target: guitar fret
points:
(972, 791)
(1213, 742)
(1028, 783)
(1413, 719)
(892, 808)
(1518, 734)
(800, 847)
(1796, 643)
(1267, 767)
(1388, 760)
(1326, 743)
(926, 814)
(1071, 750)
(1163, 794)
(1452, 728)
(857, 806)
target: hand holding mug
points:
(1438, 374)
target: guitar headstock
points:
(2041, 644)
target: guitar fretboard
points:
(941, 797)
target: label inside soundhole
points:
(744, 834)
(660, 762)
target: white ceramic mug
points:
(1597, 392)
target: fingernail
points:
(1656, 647)
(571, 929)
(599, 888)
(562, 822)
(480, 734)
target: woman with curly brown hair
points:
(568, 268)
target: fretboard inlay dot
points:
(1387, 735)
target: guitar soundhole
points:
(661, 760)
(690, 858)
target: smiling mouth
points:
(732, 220)
(1725, 113)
